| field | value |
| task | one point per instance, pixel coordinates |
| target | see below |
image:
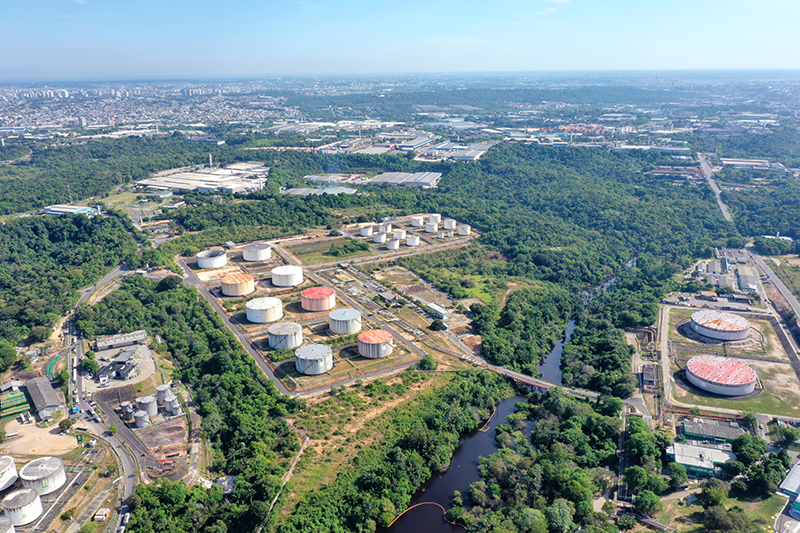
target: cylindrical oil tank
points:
(287, 276)
(431, 227)
(317, 299)
(436, 218)
(399, 234)
(238, 284)
(259, 251)
(464, 229)
(212, 259)
(442, 234)
(8, 472)
(264, 310)
(149, 404)
(392, 245)
(375, 344)
(449, 223)
(379, 238)
(367, 232)
(168, 403)
(23, 506)
(45, 474)
(417, 221)
(127, 408)
(162, 391)
(313, 359)
(175, 406)
(385, 228)
(345, 321)
(412, 240)
(6, 525)
(450, 233)
(285, 335)
(141, 418)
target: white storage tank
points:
(385, 228)
(417, 221)
(313, 359)
(379, 238)
(175, 406)
(141, 418)
(436, 218)
(212, 259)
(45, 474)
(399, 234)
(259, 251)
(412, 240)
(238, 284)
(264, 310)
(464, 229)
(162, 391)
(375, 344)
(148, 403)
(287, 276)
(169, 404)
(6, 525)
(317, 299)
(368, 231)
(127, 408)
(345, 321)
(431, 227)
(23, 506)
(392, 245)
(449, 223)
(442, 234)
(285, 335)
(8, 472)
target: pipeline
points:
(426, 503)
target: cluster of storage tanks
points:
(216, 258)
(39, 477)
(145, 407)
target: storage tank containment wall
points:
(264, 310)
(8, 472)
(257, 252)
(212, 259)
(45, 474)
(317, 299)
(392, 245)
(23, 506)
(367, 232)
(287, 276)
(345, 321)
(285, 336)
(464, 229)
(6, 525)
(375, 344)
(238, 284)
(413, 240)
(313, 359)
(379, 238)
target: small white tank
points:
(449, 223)
(169, 403)
(162, 391)
(285, 335)
(464, 229)
(442, 234)
(385, 228)
(367, 232)
(379, 238)
(435, 217)
(412, 240)
(127, 408)
(287, 276)
(212, 259)
(264, 310)
(174, 406)
(23, 506)
(431, 227)
(257, 252)
(313, 359)
(399, 234)
(417, 221)
(141, 418)
(8, 472)
(392, 245)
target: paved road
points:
(706, 167)
(782, 288)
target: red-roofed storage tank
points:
(317, 299)
(721, 375)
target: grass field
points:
(317, 252)
(788, 270)
(688, 517)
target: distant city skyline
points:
(52, 40)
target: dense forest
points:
(766, 211)
(43, 263)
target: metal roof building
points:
(58, 210)
(703, 431)
(699, 460)
(791, 483)
(120, 341)
(406, 179)
(43, 396)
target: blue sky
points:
(83, 39)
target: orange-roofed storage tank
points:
(238, 284)
(375, 344)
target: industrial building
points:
(711, 432)
(257, 252)
(719, 325)
(43, 396)
(264, 310)
(287, 276)
(438, 311)
(313, 359)
(698, 460)
(236, 178)
(122, 367)
(317, 299)
(209, 259)
(417, 179)
(375, 344)
(238, 284)
(720, 375)
(45, 475)
(120, 341)
(58, 210)
(747, 279)
(307, 191)
(791, 483)
(345, 321)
